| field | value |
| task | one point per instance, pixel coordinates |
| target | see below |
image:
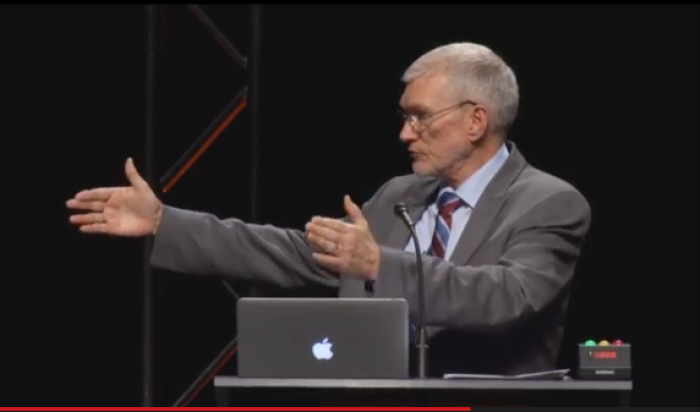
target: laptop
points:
(334, 338)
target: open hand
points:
(123, 211)
(345, 247)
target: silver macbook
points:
(323, 338)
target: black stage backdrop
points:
(609, 103)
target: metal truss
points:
(246, 97)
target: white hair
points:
(475, 73)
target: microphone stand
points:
(402, 212)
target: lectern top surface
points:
(428, 384)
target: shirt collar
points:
(471, 189)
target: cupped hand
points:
(121, 211)
(345, 247)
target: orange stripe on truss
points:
(210, 140)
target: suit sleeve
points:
(536, 267)
(202, 244)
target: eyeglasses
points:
(420, 121)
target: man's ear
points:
(478, 124)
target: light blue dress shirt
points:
(469, 191)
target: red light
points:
(605, 355)
(617, 343)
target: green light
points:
(590, 343)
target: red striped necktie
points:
(448, 202)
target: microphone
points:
(401, 211)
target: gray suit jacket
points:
(498, 306)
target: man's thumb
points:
(353, 211)
(134, 177)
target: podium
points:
(234, 391)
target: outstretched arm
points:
(200, 243)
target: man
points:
(502, 237)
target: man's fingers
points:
(329, 262)
(322, 231)
(87, 218)
(134, 177)
(333, 224)
(321, 243)
(94, 206)
(96, 228)
(100, 194)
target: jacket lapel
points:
(480, 222)
(488, 207)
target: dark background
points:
(609, 103)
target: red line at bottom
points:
(291, 409)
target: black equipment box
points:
(604, 361)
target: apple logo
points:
(323, 350)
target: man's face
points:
(439, 141)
